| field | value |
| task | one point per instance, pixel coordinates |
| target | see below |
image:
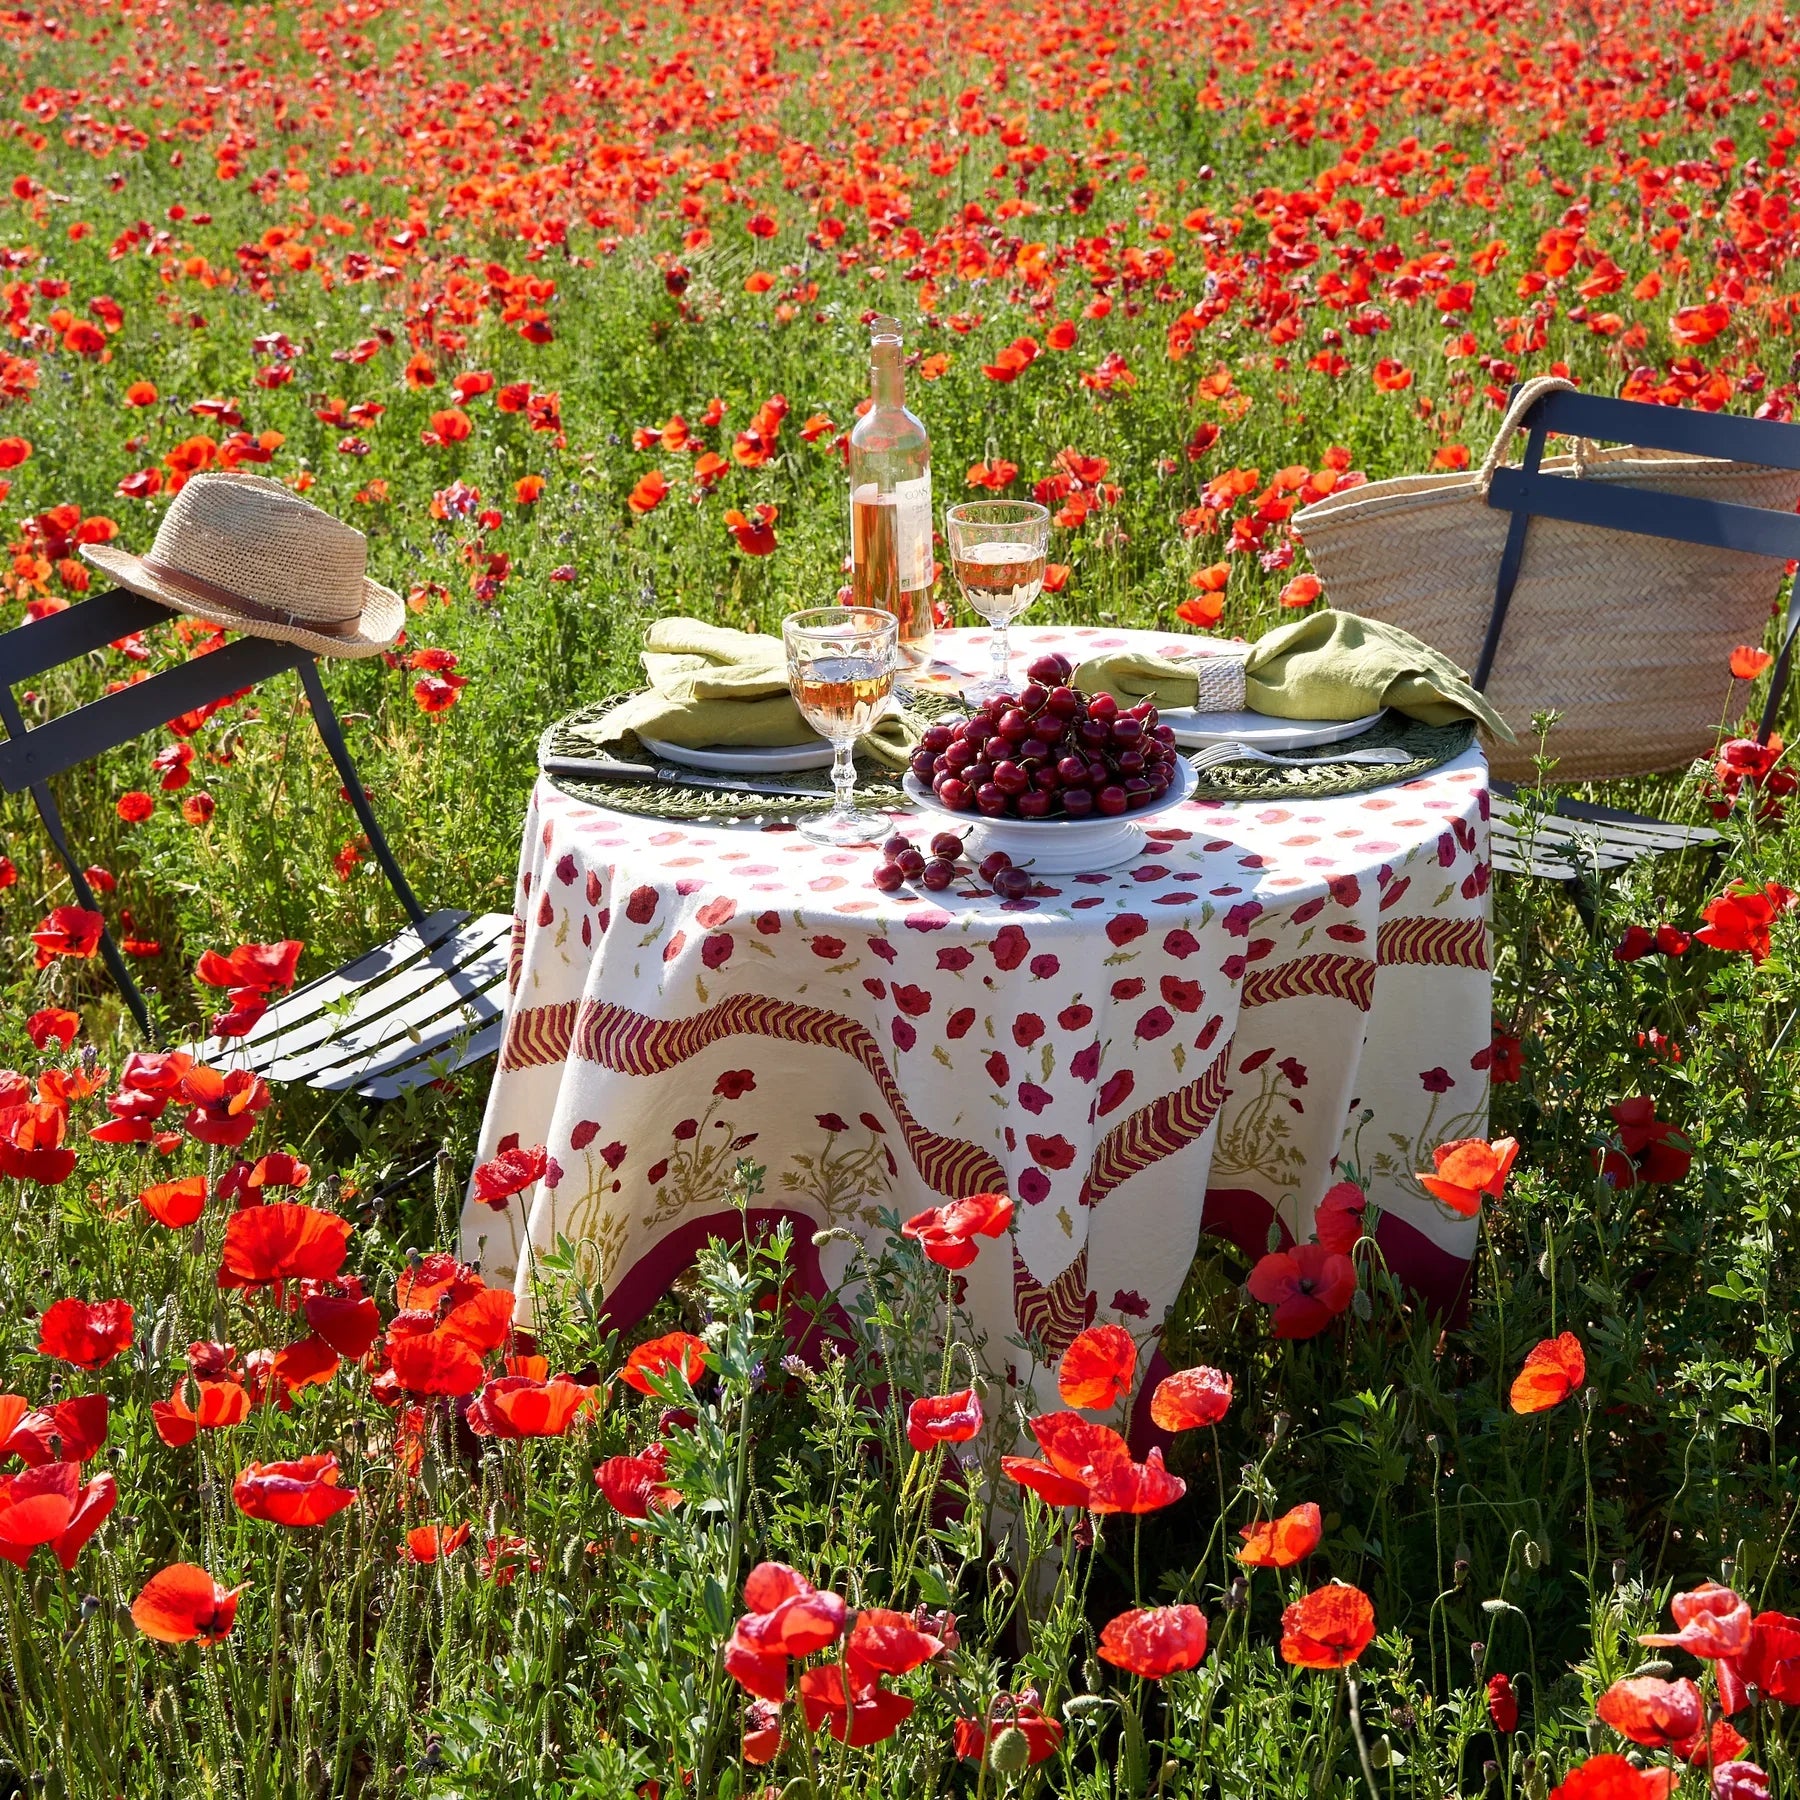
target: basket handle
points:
(1529, 394)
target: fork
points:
(1214, 755)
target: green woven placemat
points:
(1428, 746)
(651, 799)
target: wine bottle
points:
(890, 502)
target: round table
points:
(1204, 1038)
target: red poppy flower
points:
(635, 1486)
(218, 1404)
(182, 1604)
(1328, 1629)
(943, 1419)
(88, 1334)
(246, 1183)
(49, 1505)
(67, 931)
(222, 1108)
(1651, 1150)
(1748, 662)
(31, 1142)
(427, 1362)
(1613, 1778)
(431, 1543)
(1466, 1170)
(788, 1617)
(649, 493)
(677, 1350)
(1738, 921)
(1338, 1218)
(1719, 1750)
(944, 1232)
(1045, 1480)
(302, 1492)
(52, 1022)
(263, 968)
(1155, 1642)
(1551, 1373)
(1713, 1621)
(284, 1242)
(883, 1642)
(755, 537)
(1022, 1712)
(1097, 1368)
(509, 1173)
(1502, 1703)
(1133, 1487)
(70, 1431)
(762, 1732)
(1280, 1543)
(309, 1363)
(1652, 1712)
(348, 1322)
(1191, 1398)
(1769, 1663)
(176, 1204)
(1308, 1286)
(518, 1406)
(870, 1715)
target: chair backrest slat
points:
(117, 718)
(1620, 506)
(1769, 442)
(31, 650)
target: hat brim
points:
(383, 613)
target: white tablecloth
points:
(1205, 1038)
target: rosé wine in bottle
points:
(890, 503)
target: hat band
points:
(194, 587)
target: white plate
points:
(1195, 730)
(743, 759)
(1058, 846)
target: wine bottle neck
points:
(887, 373)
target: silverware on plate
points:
(606, 768)
(1216, 755)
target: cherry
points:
(1032, 805)
(947, 845)
(936, 739)
(1077, 802)
(1094, 732)
(955, 794)
(910, 862)
(1032, 696)
(992, 864)
(1032, 750)
(1073, 771)
(1127, 730)
(889, 878)
(939, 873)
(1062, 703)
(1110, 800)
(1015, 726)
(1103, 706)
(923, 764)
(1052, 668)
(895, 845)
(1012, 884)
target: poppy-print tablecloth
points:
(1267, 998)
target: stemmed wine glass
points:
(840, 663)
(998, 549)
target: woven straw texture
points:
(1626, 637)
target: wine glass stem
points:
(843, 777)
(999, 654)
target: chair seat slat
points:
(1730, 436)
(342, 1063)
(411, 1075)
(28, 651)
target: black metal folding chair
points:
(413, 1010)
(1578, 837)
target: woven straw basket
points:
(1627, 638)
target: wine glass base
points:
(989, 687)
(844, 829)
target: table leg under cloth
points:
(1202, 1039)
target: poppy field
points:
(566, 309)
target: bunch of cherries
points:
(1048, 752)
(903, 861)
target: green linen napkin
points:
(711, 686)
(1330, 665)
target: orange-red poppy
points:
(1468, 1169)
(1280, 1543)
(222, 1107)
(520, 1406)
(1097, 1368)
(1021, 1712)
(1155, 1642)
(182, 1604)
(510, 1172)
(676, 1351)
(302, 1492)
(1712, 1622)
(176, 1204)
(1739, 921)
(1552, 1371)
(943, 1419)
(1613, 1778)
(217, 1405)
(635, 1486)
(1652, 1712)
(69, 1431)
(88, 1334)
(287, 1241)
(1191, 1398)
(348, 1322)
(52, 1023)
(49, 1505)
(865, 1716)
(432, 1543)
(1748, 661)
(1308, 1286)
(946, 1233)
(1328, 1629)
(67, 931)
(263, 968)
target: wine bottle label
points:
(912, 532)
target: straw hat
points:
(245, 552)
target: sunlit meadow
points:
(565, 309)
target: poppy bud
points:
(1636, 1758)
(1279, 1427)
(1478, 1655)
(1537, 1780)
(90, 1604)
(1490, 1775)
(1590, 1398)
(1596, 1737)
(1534, 1554)
(1459, 1572)
(1274, 1239)
(1010, 1751)
(1240, 1592)
(1091, 1676)
(1619, 1571)
(1434, 1444)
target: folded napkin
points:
(711, 686)
(1330, 665)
